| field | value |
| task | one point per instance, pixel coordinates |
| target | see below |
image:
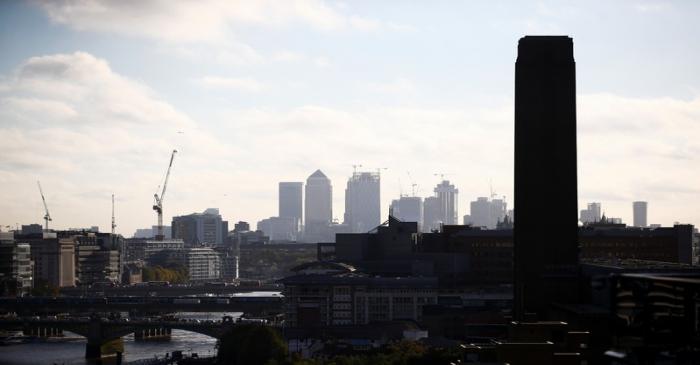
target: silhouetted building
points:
(639, 211)
(318, 203)
(201, 228)
(546, 255)
(32, 229)
(291, 203)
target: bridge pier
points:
(95, 349)
(155, 333)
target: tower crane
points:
(47, 216)
(158, 200)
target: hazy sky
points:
(95, 94)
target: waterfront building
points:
(362, 202)
(206, 228)
(202, 263)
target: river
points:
(70, 349)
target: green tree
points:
(251, 344)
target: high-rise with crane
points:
(158, 200)
(47, 216)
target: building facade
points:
(408, 209)
(591, 214)
(16, 277)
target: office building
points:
(151, 232)
(139, 249)
(97, 258)
(318, 203)
(280, 229)
(485, 212)
(291, 203)
(591, 214)
(639, 211)
(432, 220)
(447, 197)
(362, 206)
(32, 229)
(54, 260)
(16, 277)
(205, 228)
(408, 209)
(546, 255)
(202, 263)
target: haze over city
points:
(93, 99)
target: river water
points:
(70, 349)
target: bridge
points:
(104, 336)
(168, 290)
(261, 305)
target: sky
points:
(94, 96)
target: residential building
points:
(639, 210)
(362, 202)
(205, 228)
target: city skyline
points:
(92, 104)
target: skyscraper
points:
(485, 212)
(639, 210)
(201, 228)
(318, 202)
(591, 214)
(431, 214)
(362, 207)
(447, 195)
(546, 253)
(291, 201)
(408, 209)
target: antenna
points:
(114, 225)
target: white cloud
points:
(397, 86)
(203, 21)
(245, 84)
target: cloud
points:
(399, 85)
(245, 84)
(203, 21)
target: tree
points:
(251, 344)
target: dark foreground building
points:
(546, 256)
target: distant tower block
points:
(639, 211)
(546, 226)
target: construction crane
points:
(158, 200)
(47, 216)
(354, 169)
(114, 224)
